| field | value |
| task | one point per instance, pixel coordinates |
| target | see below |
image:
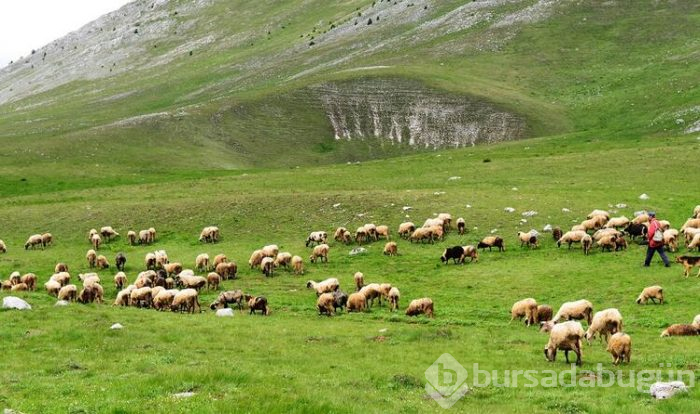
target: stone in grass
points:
(224, 312)
(186, 394)
(357, 250)
(117, 326)
(62, 303)
(644, 196)
(13, 302)
(663, 390)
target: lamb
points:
(267, 266)
(359, 280)
(681, 330)
(201, 263)
(371, 230)
(270, 250)
(605, 323)
(3, 247)
(361, 235)
(492, 241)
(566, 337)
(101, 262)
(255, 258)
(33, 241)
(394, 296)
(150, 261)
(528, 238)
(174, 268)
(382, 231)
(324, 304)
(461, 226)
(471, 252)
(108, 232)
(120, 261)
(320, 252)
(52, 287)
(620, 347)
(371, 292)
(421, 234)
(225, 298)
(191, 282)
(257, 303)
(525, 308)
(325, 286)
(671, 239)
(298, 265)
(283, 259)
(131, 236)
(617, 222)
(124, 296)
(46, 239)
(580, 309)
(652, 292)
(29, 279)
(219, 258)
(356, 302)
(96, 240)
(68, 293)
(455, 253)
(164, 299)
(339, 232)
(420, 306)
(391, 249)
(316, 237)
(340, 300)
(571, 237)
(406, 229)
(62, 277)
(586, 243)
(141, 297)
(213, 281)
(544, 313)
(186, 300)
(120, 280)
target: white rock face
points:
(224, 312)
(12, 302)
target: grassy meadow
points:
(68, 360)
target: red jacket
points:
(653, 225)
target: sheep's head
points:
(546, 326)
(640, 299)
(309, 285)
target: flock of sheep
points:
(165, 285)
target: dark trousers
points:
(650, 254)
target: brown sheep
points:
(492, 241)
(258, 303)
(320, 252)
(120, 281)
(421, 306)
(60, 267)
(681, 330)
(101, 262)
(324, 304)
(91, 257)
(356, 302)
(359, 281)
(213, 281)
(29, 279)
(391, 249)
(298, 265)
(620, 347)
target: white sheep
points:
(283, 259)
(605, 323)
(525, 308)
(96, 240)
(567, 337)
(131, 236)
(201, 262)
(267, 265)
(406, 229)
(580, 309)
(33, 241)
(359, 280)
(298, 265)
(3, 247)
(394, 296)
(324, 304)
(356, 302)
(339, 232)
(270, 250)
(617, 222)
(325, 286)
(52, 287)
(382, 231)
(68, 293)
(108, 232)
(320, 252)
(186, 300)
(316, 237)
(391, 249)
(571, 237)
(371, 292)
(652, 292)
(528, 238)
(421, 306)
(255, 258)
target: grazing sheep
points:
(145, 279)
(371, 231)
(446, 220)
(421, 306)
(652, 292)
(108, 232)
(586, 244)
(120, 261)
(357, 302)
(325, 286)
(617, 222)
(225, 298)
(604, 323)
(391, 249)
(91, 293)
(101, 262)
(91, 233)
(258, 303)
(606, 232)
(209, 234)
(620, 347)
(91, 257)
(597, 212)
(608, 241)
(62, 277)
(96, 240)
(528, 238)
(671, 239)
(283, 259)
(339, 232)
(144, 237)
(382, 231)
(316, 237)
(20, 287)
(580, 309)
(691, 223)
(594, 223)
(124, 296)
(641, 219)
(60, 267)
(219, 258)
(161, 279)
(120, 280)
(695, 243)
(150, 261)
(438, 232)
(566, 337)
(213, 281)
(89, 279)
(620, 243)
(33, 241)
(186, 272)
(681, 330)
(141, 297)
(525, 308)
(578, 227)
(267, 266)
(164, 298)
(406, 229)
(455, 253)
(191, 282)
(571, 237)
(68, 293)
(421, 234)
(556, 233)
(361, 235)
(255, 258)
(359, 280)
(544, 313)
(394, 296)
(169, 283)
(46, 239)
(174, 268)
(52, 287)
(5, 285)
(347, 237)
(161, 258)
(152, 234)
(461, 226)
(270, 250)
(320, 252)
(696, 321)
(471, 252)
(201, 263)
(131, 236)
(324, 304)
(3, 247)
(340, 300)
(636, 229)
(186, 300)
(492, 241)
(371, 292)
(15, 278)
(29, 279)
(298, 265)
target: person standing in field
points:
(656, 241)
